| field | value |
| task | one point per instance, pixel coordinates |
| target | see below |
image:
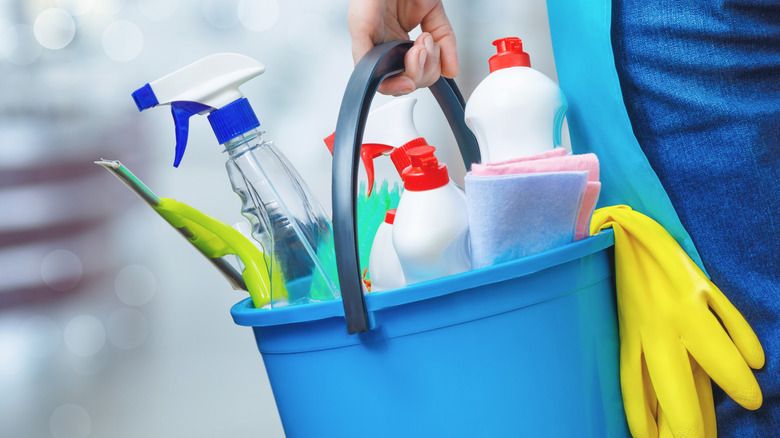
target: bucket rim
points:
(244, 313)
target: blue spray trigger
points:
(182, 111)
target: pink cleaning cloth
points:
(556, 160)
(557, 152)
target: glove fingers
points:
(704, 393)
(664, 430)
(634, 385)
(743, 336)
(651, 401)
(716, 354)
(674, 385)
(706, 402)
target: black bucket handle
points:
(382, 61)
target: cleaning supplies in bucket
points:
(430, 231)
(292, 228)
(515, 111)
(460, 356)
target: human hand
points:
(372, 22)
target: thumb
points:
(364, 21)
(360, 46)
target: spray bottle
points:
(515, 111)
(430, 231)
(389, 132)
(292, 228)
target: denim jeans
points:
(701, 85)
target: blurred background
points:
(110, 323)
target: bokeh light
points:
(76, 7)
(158, 10)
(61, 270)
(222, 14)
(123, 41)
(135, 285)
(258, 15)
(54, 28)
(70, 421)
(85, 335)
(19, 45)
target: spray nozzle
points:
(208, 86)
(389, 130)
(370, 151)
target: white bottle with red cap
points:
(383, 264)
(430, 232)
(515, 111)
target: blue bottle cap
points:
(233, 120)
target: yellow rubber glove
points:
(706, 404)
(665, 313)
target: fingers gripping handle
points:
(382, 61)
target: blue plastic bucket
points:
(527, 348)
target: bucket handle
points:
(380, 62)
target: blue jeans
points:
(701, 85)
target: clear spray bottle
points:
(293, 230)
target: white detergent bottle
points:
(430, 231)
(383, 264)
(515, 111)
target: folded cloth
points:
(554, 161)
(557, 152)
(512, 216)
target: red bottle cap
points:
(390, 216)
(425, 172)
(510, 54)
